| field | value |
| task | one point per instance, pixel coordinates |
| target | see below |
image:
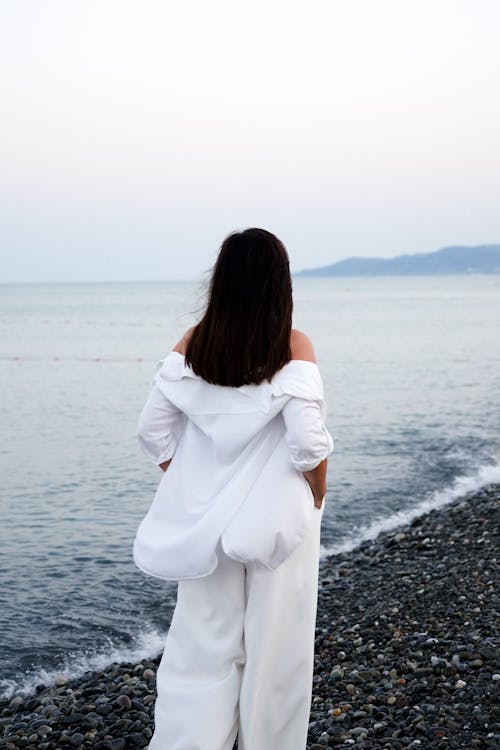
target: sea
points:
(411, 367)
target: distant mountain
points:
(448, 260)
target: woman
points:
(235, 418)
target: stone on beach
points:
(406, 655)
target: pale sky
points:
(136, 134)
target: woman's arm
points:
(159, 418)
(309, 442)
(305, 425)
(159, 427)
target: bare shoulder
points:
(301, 346)
(181, 345)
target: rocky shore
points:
(406, 656)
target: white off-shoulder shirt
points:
(238, 454)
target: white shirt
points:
(238, 454)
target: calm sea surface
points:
(411, 367)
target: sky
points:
(136, 135)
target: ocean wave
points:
(148, 644)
(461, 485)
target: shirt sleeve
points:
(307, 437)
(159, 427)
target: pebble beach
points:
(406, 652)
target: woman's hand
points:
(316, 478)
(318, 498)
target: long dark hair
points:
(244, 334)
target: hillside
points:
(448, 260)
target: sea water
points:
(411, 367)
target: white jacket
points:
(236, 473)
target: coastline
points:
(405, 653)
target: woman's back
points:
(232, 447)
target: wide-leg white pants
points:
(239, 656)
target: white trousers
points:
(239, 656)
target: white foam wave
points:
(462, 485)
(148, 644)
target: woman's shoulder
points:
(301, 346)
(300, 376)
(181, 345)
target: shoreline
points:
(405, 652)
